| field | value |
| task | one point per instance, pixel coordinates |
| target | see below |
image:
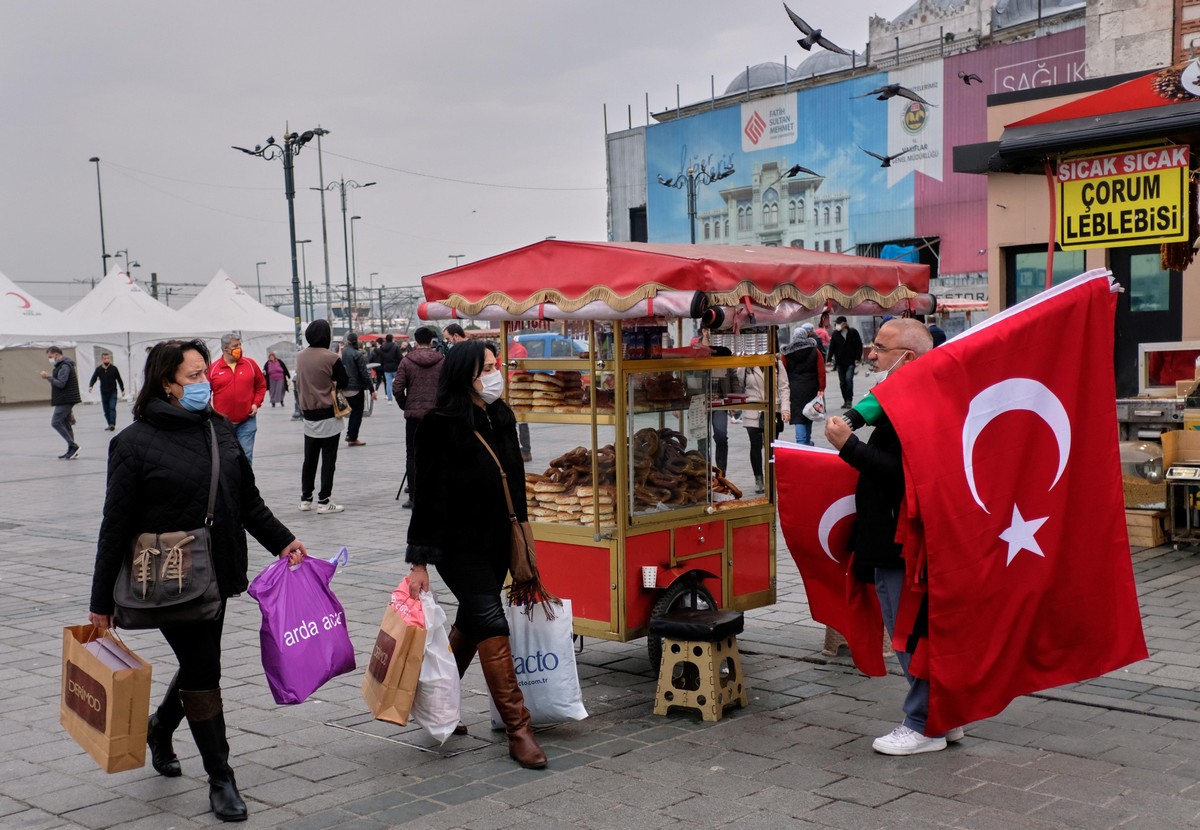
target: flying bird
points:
(792, 171)
(893, 90)
(811, 35)
(884, 161)
(968, 77)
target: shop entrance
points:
(1148, 311)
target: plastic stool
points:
(701, 668)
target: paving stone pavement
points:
(1117, 751)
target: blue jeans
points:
(803, 430)
(109, 402)
(888, 583)
(245, 432)
(388, 379)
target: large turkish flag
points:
(1010, 446)
(816, 514)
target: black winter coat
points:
(800, 361)
(458, 498)
(357, 374)
(389, 357)
(159, 469)
(877, 499)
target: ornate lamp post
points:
(124, 252)
(292, 143)
(694, 176)
(341, 184)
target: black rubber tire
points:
(678, 597)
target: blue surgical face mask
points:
(195, 396)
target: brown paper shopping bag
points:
(105, 703)
(390, 681)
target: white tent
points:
(222, 306)
(26, 320)
(123, 319)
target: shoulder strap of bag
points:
(216, 470)
(503, 476)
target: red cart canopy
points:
(620, 275)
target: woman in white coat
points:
(753, 382)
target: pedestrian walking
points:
(389, 357)
(64, 394)
(277, 374)
(459, 444)
(753, 382)
(415, 389)
(238, 388)
(358, 386)
(159, 472)
(109, 378)
(317, 370)
(846, 349)
(806, 378)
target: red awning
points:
(571, 275)
(1167, 87)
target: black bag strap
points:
(216, 471)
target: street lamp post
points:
(304, 273)
(258, 278)
(100, 198)
(292, 144)
(456, 258)
(693, 177)
(341, 184)
(124, 252)
(319, 132)
(354, 263)
(371, 296)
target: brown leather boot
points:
(464, 652)
(495, 657)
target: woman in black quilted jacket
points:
(159, 474)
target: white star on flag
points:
(1020, 535)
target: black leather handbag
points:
(169, 578)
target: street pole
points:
(258, 278)
(354, 265)
(100, 198)
(690, 180)
(320, 131)
(382, 325)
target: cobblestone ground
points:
(1118, 751)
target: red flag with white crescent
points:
(816, 514)
(1010, 447)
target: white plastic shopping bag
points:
(436, 705)
(544, 660)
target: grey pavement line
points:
(360, 719)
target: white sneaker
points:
(329, 507)
(904, 741)
(305, 505)
(955, 735)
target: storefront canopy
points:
(610, 280)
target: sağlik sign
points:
(1135, 198)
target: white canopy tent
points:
(222, 306)
(123, 319)
(27, 321)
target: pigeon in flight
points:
(793, 171)
(969, 77)
(885, 161)
(811, 35)
(893, 90)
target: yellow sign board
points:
(1134, 198)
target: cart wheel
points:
(686, 594)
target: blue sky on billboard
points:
(830, 126)
(483, 125)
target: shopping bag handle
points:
(342, 557)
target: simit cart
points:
(631, 515)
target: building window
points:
(1150, 285)
(816, 215)
(717, 229)
(826, 241)
(797, 243)
(792, 212)
(826, 214)
(838, 242)
(837, 216)
(1027, 271)
(727, 228)
(707, 230)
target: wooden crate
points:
(1147, 528)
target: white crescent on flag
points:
(833, 514)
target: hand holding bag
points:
(544, 659)
(390, 682)
(303, 636)
(169, 578)
(439, 693)
(526, 587)
(341, 406)
(105, 697)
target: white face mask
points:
(53, 361)
(881, 374)
(493, 386)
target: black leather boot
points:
(163, 724)
(464, 652)
(495, 657)
(207, 721)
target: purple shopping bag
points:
(304, 637)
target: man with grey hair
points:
(877, 499)
(238, 390)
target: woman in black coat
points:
(460, 523)
(159, 473)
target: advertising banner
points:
(1134, 198)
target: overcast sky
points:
(482, 124)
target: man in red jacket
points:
(238, 390)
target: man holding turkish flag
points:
(1012, 471)
(817, 488)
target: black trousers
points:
(197, 647)
(410, 452)
(325, 450)
(358, 403)
(846, 382)
(476, 580)
(756, 450)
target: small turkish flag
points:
(816, 514)
(1010, 449)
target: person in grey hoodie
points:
(64, 394)
(415, 391)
